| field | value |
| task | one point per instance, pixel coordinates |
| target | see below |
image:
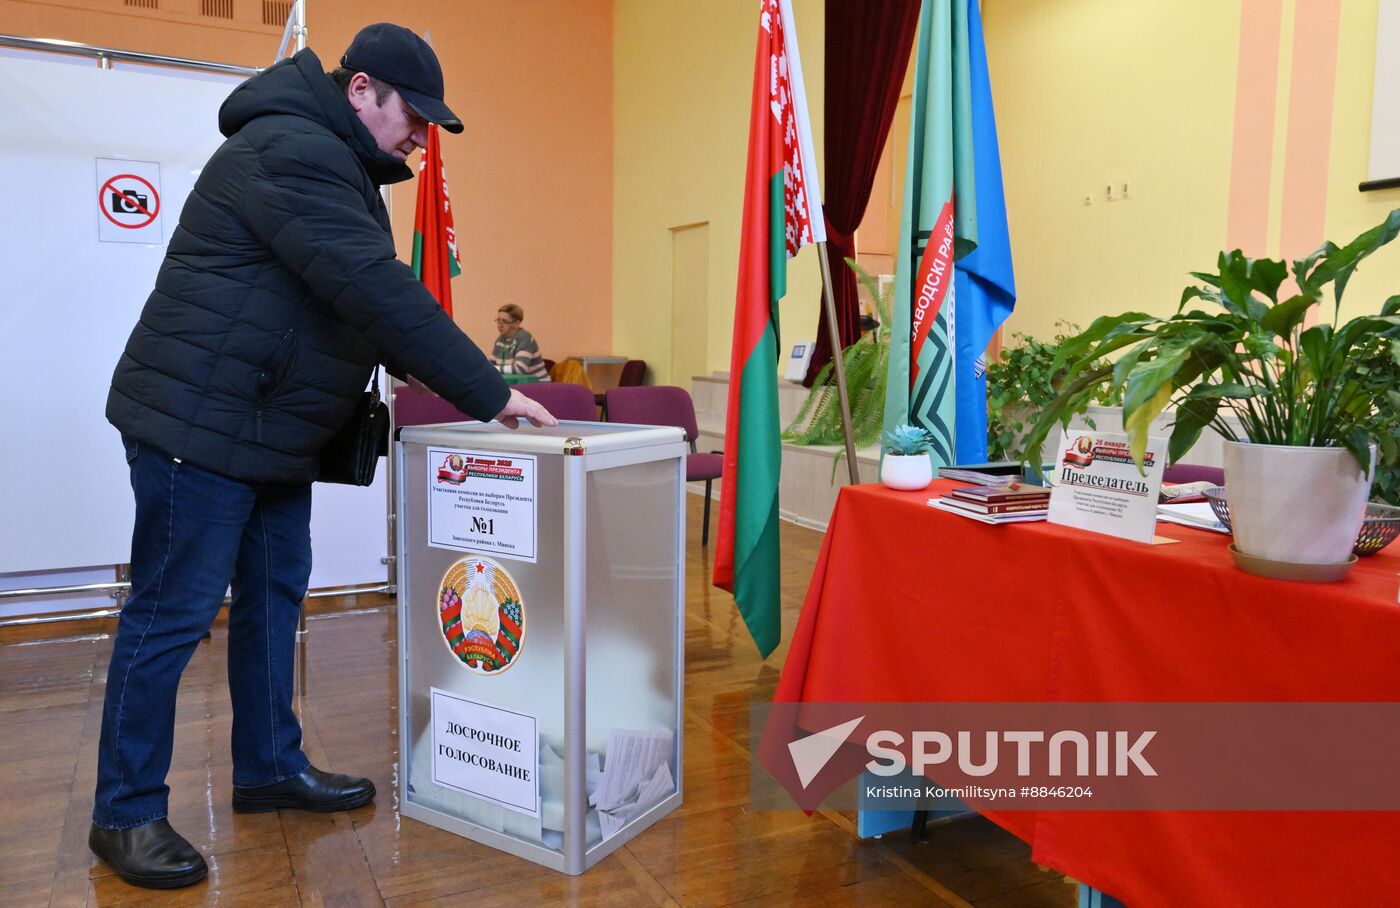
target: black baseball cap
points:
(393, 54)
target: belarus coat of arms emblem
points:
(1081, 453)
(481, 614)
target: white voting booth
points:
(104, 159)
(541, 633)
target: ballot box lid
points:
(569, 437)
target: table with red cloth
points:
(911, 604)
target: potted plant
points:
(1299, 471)
(906, 463)
(1022, 381)
(1377, 370)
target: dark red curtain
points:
(867, 52)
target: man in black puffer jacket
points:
(279, 293)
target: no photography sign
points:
(128, 202)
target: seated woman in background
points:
(516, 352)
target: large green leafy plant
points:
(1251, 354)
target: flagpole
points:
(838, 367)
(295, 32)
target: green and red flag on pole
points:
(782, 213)
(938, 227)
(434, 239)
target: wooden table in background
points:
(603, 372)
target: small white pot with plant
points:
(906, 464)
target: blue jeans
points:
(195, 533)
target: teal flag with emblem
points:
(938, 226)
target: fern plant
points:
(818, 421)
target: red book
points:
(977, 507)
(1002, 494)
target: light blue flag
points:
(984, 282)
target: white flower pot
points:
(1296, 504)
(906, 471)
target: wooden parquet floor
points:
(713, 851)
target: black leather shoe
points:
(311, 790)
(151, 855)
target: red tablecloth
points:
(908, 603)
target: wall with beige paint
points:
(1349, 211)
(1215, 114)
(598, 128)
(684, 77)
(1093, 91)
(531, 178)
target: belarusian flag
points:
(782, 212)
(434, 240)
(938, 226)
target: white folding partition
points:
(97, 166)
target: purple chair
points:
(633, 373)
(564, 399)
(666, 405)
(414, 409)
(1192, 472)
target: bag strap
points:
(374, 396)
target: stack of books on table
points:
(1183, 492)
(1193, 514)
(1012, 503)
(997, 473)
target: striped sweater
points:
(519, 355)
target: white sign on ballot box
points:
(483, 501)
(486, 751)
(1097, 485)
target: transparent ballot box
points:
(541, 592)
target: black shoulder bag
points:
(351, 457)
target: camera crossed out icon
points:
(129, 201)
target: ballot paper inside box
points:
(636, 777)
(540, 591)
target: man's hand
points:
(521, 407)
